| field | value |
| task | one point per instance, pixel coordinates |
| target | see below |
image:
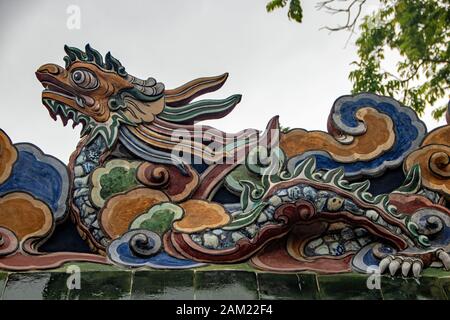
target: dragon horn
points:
(189, 91)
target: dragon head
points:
(98, 94)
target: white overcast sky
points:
(279, 66)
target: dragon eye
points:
(84, 79)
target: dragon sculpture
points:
(148, 186)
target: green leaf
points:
(415, 29)
(418, 31)
(295, 11)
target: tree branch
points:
(352, 17)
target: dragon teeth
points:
(66, 113)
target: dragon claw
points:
(405, 264)
(444, 257)
(394, 266)
(417, 268)
(384, 264)
(406, 268)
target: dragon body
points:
(150, 187)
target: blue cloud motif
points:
(120, 252)
(40, 175)
(409, 134)
(365, 261)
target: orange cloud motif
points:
(122, 209)
(8, 155)
(434, 160)
(25, 216)
(200, 215)
(378, 138)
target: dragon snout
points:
(48, 69)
